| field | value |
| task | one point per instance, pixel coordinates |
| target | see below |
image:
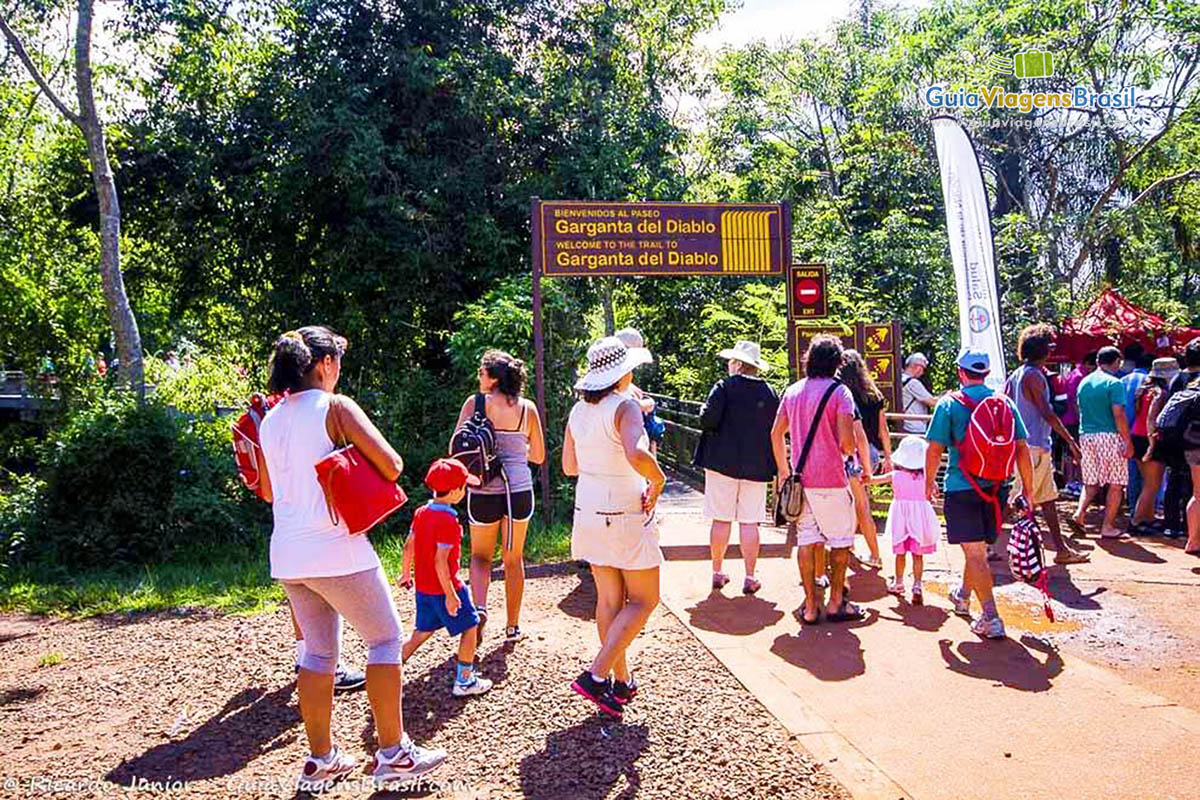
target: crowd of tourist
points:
(828, 433)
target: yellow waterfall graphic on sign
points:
(746, 241)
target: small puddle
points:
(1017, 613)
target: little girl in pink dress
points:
(912, 523)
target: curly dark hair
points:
(824, 357)
(297, 352)
(1035, 342)
(509, 372)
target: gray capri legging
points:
(365, 601)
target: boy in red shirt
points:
(433, 547)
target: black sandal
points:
(847, 612)
(807, 622)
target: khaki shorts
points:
(729, 499)
(828, 518)
(1044, 488)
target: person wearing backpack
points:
(505, 500)
(1177, 421)
(1104, 440)
(984, 435)
(326, 572)
(1028, 387)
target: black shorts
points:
(488, 509)
(1140, 445)
(969, 518)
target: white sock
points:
(598, 679)
(299, 651)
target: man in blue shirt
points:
(1104, 439)
(971, 520)
(1132, 382)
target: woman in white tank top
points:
(326, 572)
(614, 528)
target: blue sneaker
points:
(992, 628)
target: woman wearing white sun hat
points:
(614, 528)
(735, 453)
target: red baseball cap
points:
(447, 474)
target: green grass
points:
(230, 579)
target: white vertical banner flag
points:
(970, 232)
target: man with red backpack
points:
(986, 438)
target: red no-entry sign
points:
(807, 298)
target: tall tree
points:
(87, 120)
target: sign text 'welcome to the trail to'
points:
(580, 238)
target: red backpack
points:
(245, 440)
(988, 451)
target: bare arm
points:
(873, 480)
(441, 563)
(537, 441)
(468, 408)
(885, 439)
(1025, 470)
(570, 464)
(1123, 428)
(778, 431)
(846, 433)
(406, 570)
(933, 459)
(644, 401)
(629, 428)
(359, 431)
(862, 448)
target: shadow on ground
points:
(737, 616)
(580, 602)
(1129, 550)
(586, 762)
(1006, 662)
(829, 651)
(247, 726)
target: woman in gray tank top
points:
(490, 508)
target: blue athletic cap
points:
(974, 359)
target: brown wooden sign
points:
(879, 345)
(579, 238)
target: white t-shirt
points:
(913, 393)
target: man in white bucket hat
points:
(735, 453)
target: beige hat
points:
(747, 352)
(608, 361)
(633, 340)
(1166, 368)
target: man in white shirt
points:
(915, 398)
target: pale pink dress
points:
(912, 523)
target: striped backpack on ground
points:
(246, 445)
(988, 451)
(1025, 558)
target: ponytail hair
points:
(297, 352)
(508, 372)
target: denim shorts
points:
(431, 613)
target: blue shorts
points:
(431, 613)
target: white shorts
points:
(828, 518)
(729, 499)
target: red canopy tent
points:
(1113, 320)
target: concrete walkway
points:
(909, 703)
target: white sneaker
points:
(477, 685)
(320, 774)
(988, 628)
(408, 762)
(962, 606)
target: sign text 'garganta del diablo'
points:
(579, 238)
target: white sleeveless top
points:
(305, 543)
(607, 481)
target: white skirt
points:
(610, 529)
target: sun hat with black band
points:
(608, 361)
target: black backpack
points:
(1180, 417)
(474, 444)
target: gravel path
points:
(203, 706)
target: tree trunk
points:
(120, 313)
(610, 317)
